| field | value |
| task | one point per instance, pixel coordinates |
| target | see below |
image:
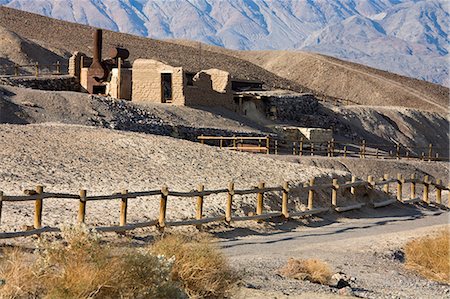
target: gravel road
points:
(368, 249)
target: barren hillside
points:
(346, 80)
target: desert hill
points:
(17, 50)
(298, 71)
(346, 80)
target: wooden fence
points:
(38, 196)
(332, 148)
(35, 69)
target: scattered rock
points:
(347, 291)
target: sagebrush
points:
(429, 256)
(199, 266)
(312, 270)
(81, 267)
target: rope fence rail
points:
(39, 197)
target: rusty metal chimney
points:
(98, 45)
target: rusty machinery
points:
(98, 73)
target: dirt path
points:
(367, 248)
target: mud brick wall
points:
(147, 81)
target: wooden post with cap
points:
(124, 208)
(228, 210)
(399, 187)
(199, 211)
(163, 207)
(352, 189)
(38, 207)
(260, 199)
(386, 186)
(311, 194)
(413, 186)
(82, 207)
(285, 200)
(426, 189)
(438, 191)
(334, 193)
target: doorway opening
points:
(166, 88)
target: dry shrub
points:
(429, 256)
(312, 270)
(16, 277)
(84, 268)
(199, 266)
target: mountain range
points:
(408, 37)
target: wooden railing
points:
(242, 143)
(332, 148)
(35, 69)
(38, 196)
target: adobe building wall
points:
(211, 88)
(146, 86)
(125, 86)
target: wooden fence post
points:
(329, 148)
(1, 205)
(386, 187)
(276, 147)
(37, 69)
(399, 187)
(301, 147)
(221, 143)
(38, 208)
(426, 189)
(312, 149)
(199, 212)
(202, 141)
(124, 208)
(260, 199)
(229, 202)
(377, 154)
(311, 194)
(294, 148)
(268, 145)
(16, 70)
(352, 189)
(334, 190)
(397, 151)
(364, 149)
(430, 152)
(82, 207)
(438, 191)
(345, 151)
(413, 186)
(163, 207)
(285, 199)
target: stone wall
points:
(146, 86)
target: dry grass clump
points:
(199, 266)
(312, 270)
(429, 256)
(84, 268)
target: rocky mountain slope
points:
(409, 37)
